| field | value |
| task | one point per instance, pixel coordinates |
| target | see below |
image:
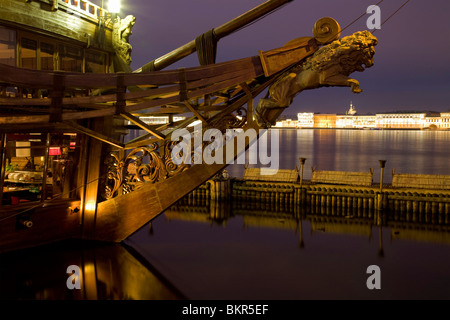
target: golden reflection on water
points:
(244, 251)
(108, 272)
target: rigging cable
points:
(395, 12)
(262, 17)
(362, 15)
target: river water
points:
(270, 256)
(406, 151)
(230, 251)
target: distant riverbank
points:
(384, 129)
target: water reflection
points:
(244, 251)
(108, 272)
(406, 151)
(431, 227)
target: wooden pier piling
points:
(358, 198)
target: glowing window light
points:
(23, 152)
(54, 151)
(114, 6)
(90, 206)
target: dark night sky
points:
(412, 61)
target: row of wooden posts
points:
(342, 198)
(334, 199)
(425, 209)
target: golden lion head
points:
(353, 53)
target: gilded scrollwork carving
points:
(235, 119)
(155, 163)
(149, 164)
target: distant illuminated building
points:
(445, 120)
(287, 123)
(396, 120)
(352, 110)
(356, 121)
(325, 120)
(305, 119)
(438, 122)
(352, 120)
(345, 121)
(433, 122)
(152, 120)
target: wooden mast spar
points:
(219, 32)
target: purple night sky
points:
(412, 61)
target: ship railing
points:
(86, 7)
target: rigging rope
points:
(395, 12)
(262, 17)
(379, 2)
(206, 47)
(362, 15)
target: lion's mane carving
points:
(331, 65)
(121, 34)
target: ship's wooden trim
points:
(199, 82)
(52, 221)
(66, 22)
(120, 217)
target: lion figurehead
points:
(121, 34)
(353, 53)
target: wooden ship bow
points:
(96, 182)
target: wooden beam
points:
(57, 94)
(140, 143)
(166, 111)
(183, 124)
(141, 124)
(195, 112)
(144, 139)
(249, 94)
(94, 134)
(91, 184)
(2, 164)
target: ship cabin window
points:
(70, 58)
(95, 62)
(47, 53)
(7, 46)
(38, 167)
(29, 53)
(32, 51)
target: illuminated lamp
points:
(114, 6)
(90, 207)
(54, 151)
(72, 145)
(21, 150)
